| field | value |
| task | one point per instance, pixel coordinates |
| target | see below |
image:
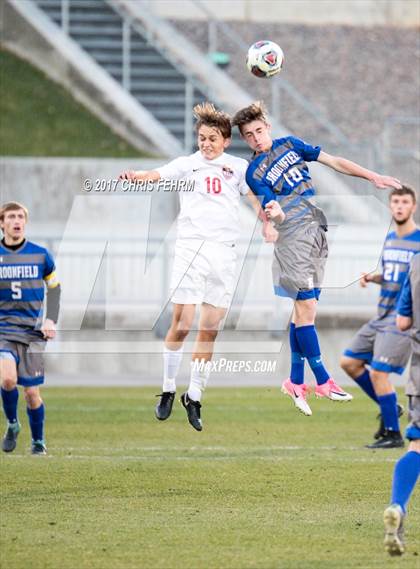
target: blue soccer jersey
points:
(23, 275)
(283, 170)
(396, 257)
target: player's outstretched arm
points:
(350, 168)
(140, 175)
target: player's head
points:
(254, 127)
(402, 203)
(13, 218)
(214, 130)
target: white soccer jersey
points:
(211, 210)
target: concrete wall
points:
(311, 12)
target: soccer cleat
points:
(164, 407)
(394, 531)
(332, 391)
(193, 411)
(380, 432)
(390, 439)
(298, 393)
(38, 448)
(10, 437)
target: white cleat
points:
(298, 393)
(394, 532)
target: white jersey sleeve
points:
(175, 169)
(243, 186)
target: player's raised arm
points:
(350, 168)
(140, 175)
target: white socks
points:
(171, 363)
(200, 372)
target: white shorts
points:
(203, 271)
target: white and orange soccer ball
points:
(265, 58)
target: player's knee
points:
(8, 382)
(351, 366)
(208, 335)
(33, 397)
(414, 446)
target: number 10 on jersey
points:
(214, 185)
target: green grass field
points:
(261, 487)
(40, 118)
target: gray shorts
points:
(300, 255)
(384, 348)
(28, 358)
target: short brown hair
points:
(12, 206)
(255, 112)
(404, 190)
(207, 114)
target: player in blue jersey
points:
(25, 270)
(407, 469)
(279, 175)
(379, 344)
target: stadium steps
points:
(153, 80)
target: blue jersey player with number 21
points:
(279, 175)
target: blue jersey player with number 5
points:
(279, 175)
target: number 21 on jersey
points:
(391, 272)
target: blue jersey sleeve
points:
(49, 265)
(309, 153)
(259, 187)
(405, 302)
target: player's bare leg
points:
(36, 415)
(10, 395)
(210, 319)
(182, 320)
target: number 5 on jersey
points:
(16, 287)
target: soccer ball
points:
(264, 58)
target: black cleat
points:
(193, 411)
(164, 407)
(10, 437)
(380, 432)
(38, 448)
(390, 439)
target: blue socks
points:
(366, 384)
(298, 361)
(10, 403)
(307, 339)
(406, 472)
(388, 405)
(36, 422)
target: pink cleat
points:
(333, 391)
(298, 393)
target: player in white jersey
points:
(205, 258)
